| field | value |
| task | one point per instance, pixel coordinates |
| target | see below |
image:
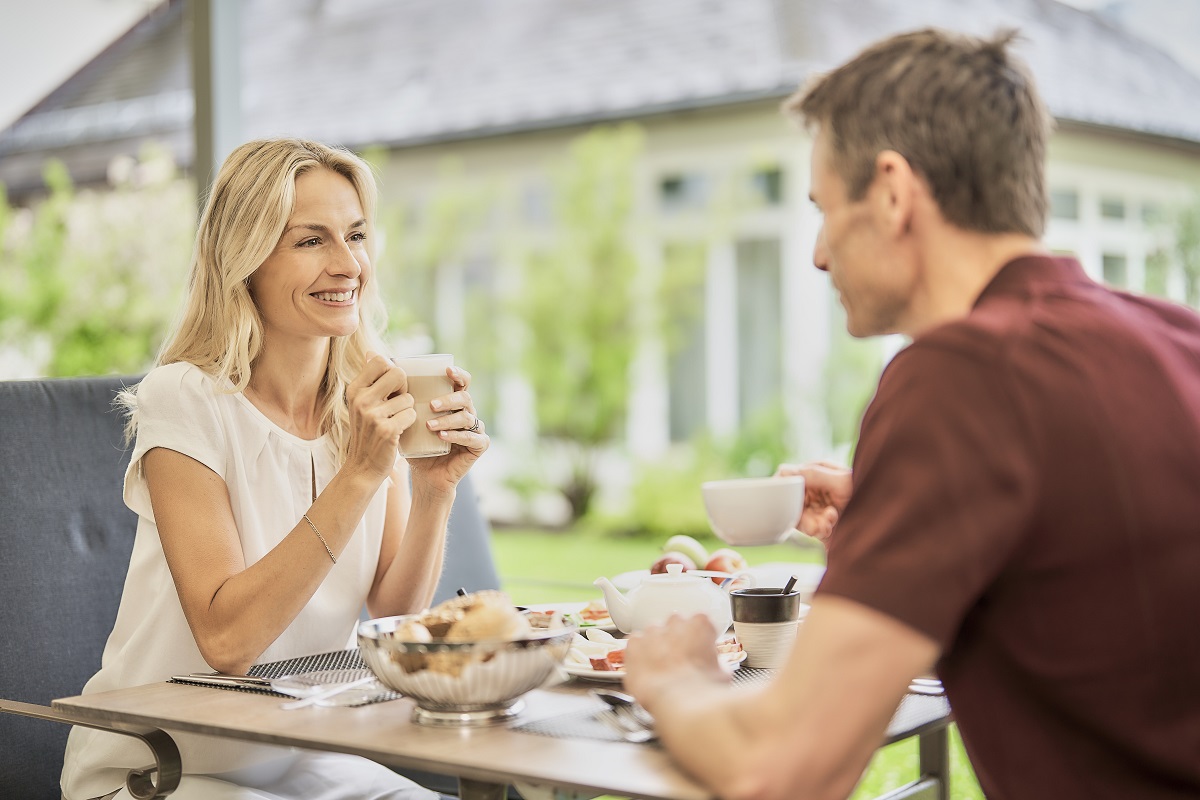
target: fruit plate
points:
(729, 661)
(773, 574)
(572, 610)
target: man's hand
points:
(827, 489)
(662, 657)
(809, 732)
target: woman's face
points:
(310, 284)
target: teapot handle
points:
(730, 578)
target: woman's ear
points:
(893, 191)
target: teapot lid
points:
(674, 574)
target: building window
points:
(1112, 208)
(1152, 213)
(683, 191)
(1064, 204)
(766, 186)
(760, 326)
(1114, 269)
(536, 204)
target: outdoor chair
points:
(65, 540)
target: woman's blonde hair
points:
(220, 329)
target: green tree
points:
(578, 304)
(92, 277)
(851, 374)
(1187, 249)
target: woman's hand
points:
(461, 427)
(827, 489)
(380, 410)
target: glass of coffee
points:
(426, 380)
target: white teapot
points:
(657, 597)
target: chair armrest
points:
(139, 782)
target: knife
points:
(223, 679)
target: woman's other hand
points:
(380, 410)
(827, 490)
(461, 427)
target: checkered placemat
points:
(348, 661)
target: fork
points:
(326, 694)
(623, 711)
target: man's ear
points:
(893, 191)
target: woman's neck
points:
(285, 384)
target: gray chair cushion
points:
(65, 540)
(64, 549)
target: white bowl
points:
(752, 511)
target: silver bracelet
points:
(322, 538)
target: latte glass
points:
(426, 380)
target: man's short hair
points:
(962, 110)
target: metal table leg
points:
(934, 764)
(141, 783)
(481, 790)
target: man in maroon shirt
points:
(1024, 510)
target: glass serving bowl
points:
(461, 683)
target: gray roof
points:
(403, 72)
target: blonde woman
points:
(272, 504)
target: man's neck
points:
(957, 267)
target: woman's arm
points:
(236, 611)
(410, 560)
(410, 557)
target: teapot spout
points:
(618, 605)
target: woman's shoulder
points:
(178, 375)
(178, 384)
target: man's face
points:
(854, 247)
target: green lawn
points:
(553, 567)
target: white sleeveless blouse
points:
(269, 475)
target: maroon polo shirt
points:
(1027, 493)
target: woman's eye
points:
(358, 236)
(312, 242)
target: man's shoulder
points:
(974, 340)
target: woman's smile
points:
(343, 298)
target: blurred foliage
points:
(680, 296)
(91, 278)
(1158, 269)
(851, 373)
(423, 240)
(577, 304)
(665, 497)
(421, 237)
(1187, 250)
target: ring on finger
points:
(475, 427)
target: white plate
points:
(605, 624)
(773, 574)
(730, 662)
